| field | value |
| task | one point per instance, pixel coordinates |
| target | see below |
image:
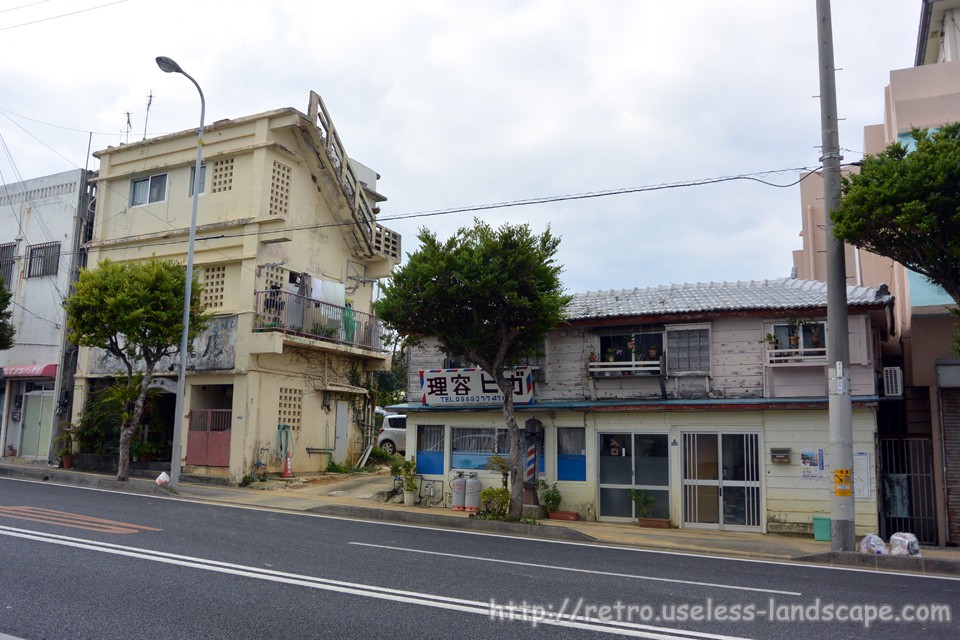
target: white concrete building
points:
(43, 225)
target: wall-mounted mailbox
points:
(781, 455)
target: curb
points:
(916, 564)
(454, 522)
(59, 476)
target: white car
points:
(393, 434)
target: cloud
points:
(462, 103)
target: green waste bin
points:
(821, 529)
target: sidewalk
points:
(360, 497)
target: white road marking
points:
(476, 607)
(591, 571)
(441, 528)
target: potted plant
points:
(652, 352)
(143, 450)
(593, 356)
(645, 502)
(550, 498)
(772, 341)
(773, 344)
(610, 354)
(794, 330)
(406, 470)
(815, 335)
(64, 445)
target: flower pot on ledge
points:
(654, 523)
(563, 515)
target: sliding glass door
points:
(721, 480)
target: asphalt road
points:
(81, 563)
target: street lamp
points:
(169, 66)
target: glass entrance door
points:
(721, 480)
(633, 461)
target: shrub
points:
(406, 470)
(333, 467)
(495, 503)
(379, 456)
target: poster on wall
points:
(811, 464)
(861, 475)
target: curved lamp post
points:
(169, 66)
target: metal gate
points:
(907, 501)
(721, 481)
(950, 428)
(208, 443)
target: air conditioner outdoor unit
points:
(893, 382)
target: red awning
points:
(29, 371)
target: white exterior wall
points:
(46, 213)
(37, 211)
(789, 501)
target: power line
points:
(62, 15)
(23, 6)
(755, 177)
(602, 194)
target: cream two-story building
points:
(288, 249)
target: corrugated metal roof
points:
(780, 293)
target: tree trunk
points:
(129, 426)
(516, 457)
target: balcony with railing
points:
(297, 315)
(805, 357)
(624, 369)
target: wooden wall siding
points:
(425, 357)
(737, 368)
(737, 358)
(793, 500)
(566, 375)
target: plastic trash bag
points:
(163, 479)
(904, 544)
(872, 543)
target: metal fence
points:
(294, 314)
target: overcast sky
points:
(459, 103)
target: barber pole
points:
(531, 461)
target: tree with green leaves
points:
(134, 311)
(7, 330)
(490, 297)
(391, 386)
(905, 205)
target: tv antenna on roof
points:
(147, 117)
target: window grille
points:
(8, 254)
(43, 259)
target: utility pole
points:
(842, 517)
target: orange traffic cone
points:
(287, 469)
